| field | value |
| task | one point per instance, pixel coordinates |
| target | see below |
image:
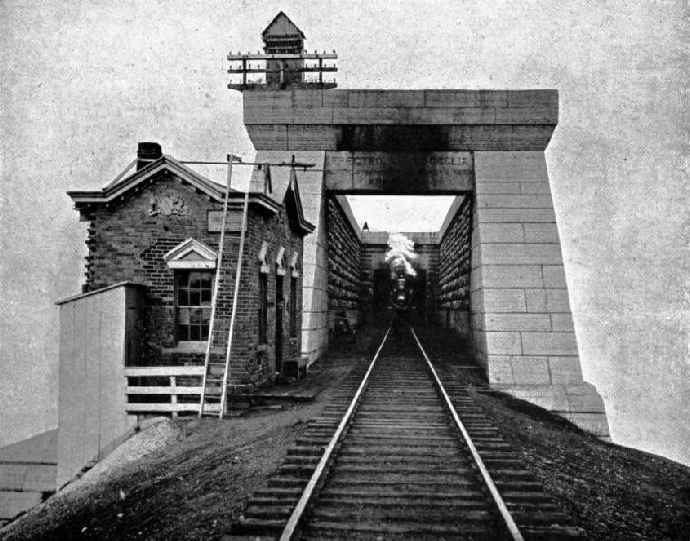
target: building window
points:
(263, 308)
(293, 306)
(193, 290)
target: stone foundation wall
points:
(521, 320)
(454, 268)
(344, 263)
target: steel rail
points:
(299, 509)
(498, 500)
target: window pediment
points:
(280, 261)
(263, 259)
(294, 265)
(191, 254)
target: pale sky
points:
(83, 82)
(400, 212)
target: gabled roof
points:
(293, 205)
(284, 190)
(114, 191)
(267, 200)
(282, 26)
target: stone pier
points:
(483, 145)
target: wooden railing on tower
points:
(283, 66)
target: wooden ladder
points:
(214, 388)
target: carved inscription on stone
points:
(399, 172)
(167, 204)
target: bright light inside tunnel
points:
(400, 212)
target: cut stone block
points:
(510, 276)
(451, 98)
(584, 398)
(532, 98)
(498, 301)
(527, 115)
(407, 98)
(554, 276)
(531, 370)
(566, 401)
(498, 188)
(309, 115)
(562, 323)
(557, 301)
(565, 369)
(542, 188)
(307, 98)
(367, 98)
(473, 115)
(502, 233)
(549, 343)
(503, 343)
(516, 215)
(255, 101)
(517, 165)
(541, 233)
(492, 201)
(492, 98)
(516, 322)
(500, 370)
(536, 300)
(521, 254)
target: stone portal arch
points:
(487, 146)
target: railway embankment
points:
(198, 486)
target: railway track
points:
(403, 452)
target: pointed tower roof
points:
(282, 26)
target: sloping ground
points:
(197, 487)
(611, 491)
(194, 488)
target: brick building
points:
(160, 228)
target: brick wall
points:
(127, 244)
(455, 251)
(252, 364)
(344, 263)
